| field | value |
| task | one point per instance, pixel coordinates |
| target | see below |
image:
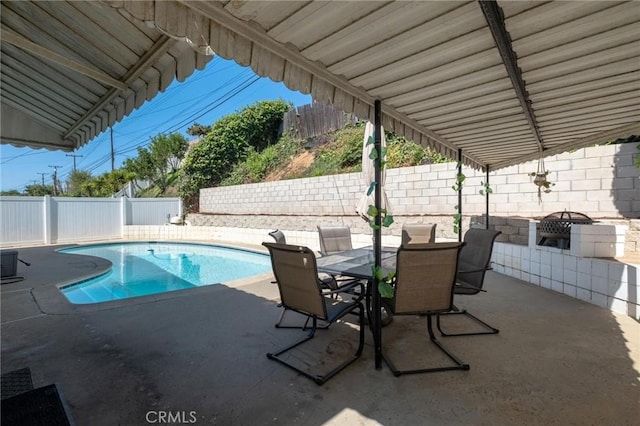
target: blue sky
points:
(222, 88)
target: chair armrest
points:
(348, 288)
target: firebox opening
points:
(554, 229)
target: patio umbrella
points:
(368, 175)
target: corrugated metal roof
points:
(500, 83)
(72, 69)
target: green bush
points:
(258, 165)
(404, 153)
(342, 154)
(230, 140)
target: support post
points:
(377, 235)
(460, 195)
(486, 199)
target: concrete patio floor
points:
(556, 361)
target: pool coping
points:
(50, 300)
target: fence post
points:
(46, 219)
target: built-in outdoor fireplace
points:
(554, 230)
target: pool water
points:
(141, 269)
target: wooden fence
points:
(308, 121)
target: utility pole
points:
(55, 179)
(42, 174)
(74, 160)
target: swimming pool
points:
(141, 269)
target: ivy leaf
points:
(372, 211)
(387, 221)
(373, 154)
(370, 140)
(384, 283)
(377, 272)
(385, 289)
(371, 187)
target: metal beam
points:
(17, 40)
(495, 19)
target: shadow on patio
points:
(557, 360)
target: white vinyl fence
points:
(51, 220)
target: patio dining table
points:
(358, 263)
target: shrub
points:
(259, 164)
(229, 141)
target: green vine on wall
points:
(486, 188)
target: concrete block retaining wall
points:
(601, 182)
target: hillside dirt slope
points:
(294, 167)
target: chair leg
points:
(459, 365)
(303, 327)
(488, 329)
(321, 379)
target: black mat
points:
(41, 406)
(15, 382)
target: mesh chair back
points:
(418, 233)
(296, 274)
(475, 258)
(425, 278)
(334, 239)
(278, 235)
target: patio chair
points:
(328, 281)
(278, 235)
(475, 261)
(300, 290)
(334, 239)
(424, 282)
(413, 233)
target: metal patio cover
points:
(502, 81)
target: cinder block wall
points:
(601, 182)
